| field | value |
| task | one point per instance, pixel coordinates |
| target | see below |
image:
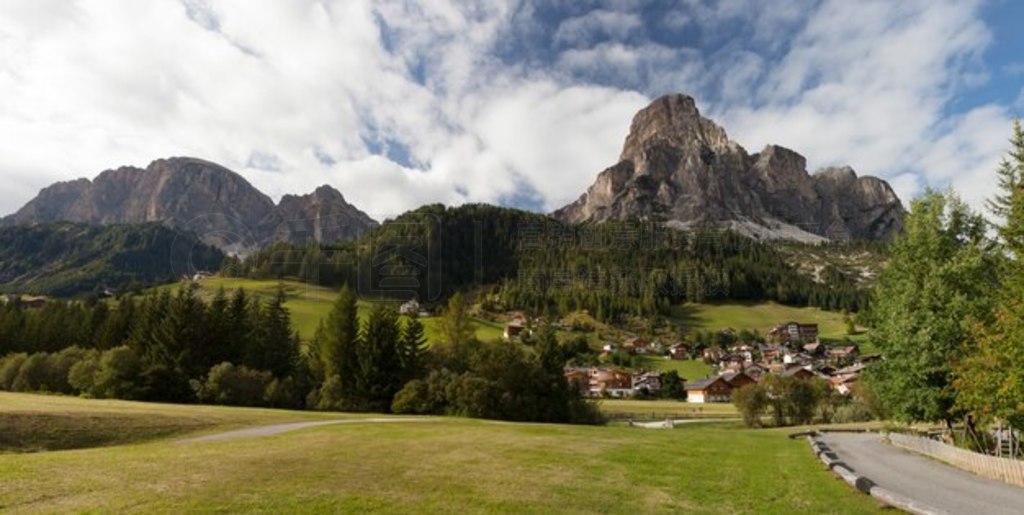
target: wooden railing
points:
(1004, 469)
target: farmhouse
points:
(611, 382)
(793, 332)
(718, 388)
(711, 389)
(647, 383)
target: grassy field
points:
(688, 369)
(309, 304)
(49, 422)
(666, 408)
(761, 316)
(433, 466)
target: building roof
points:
(702, 384)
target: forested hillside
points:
(537, 263)
(66, 259)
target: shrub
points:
(10, 366)
(238, 386)
(751, 401)
(118, 375)
(33, 374)
(414, 399)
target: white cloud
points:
(597, 25)
(868, 84)
(297, 94)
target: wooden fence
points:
(1004, 469)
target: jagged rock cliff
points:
(681, 168)
(214, 202)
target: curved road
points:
(927, 481)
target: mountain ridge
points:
(681, 168)
(195, 194)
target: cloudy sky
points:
(518, 102)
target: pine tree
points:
(339, 340)
(380, 371)
(273, 349)
(240, 319)
(412, 348)
(217, 331)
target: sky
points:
(513, 102)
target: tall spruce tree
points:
(339, 340)
(990, 380)
(412, 349)
(240, 322)
(273, 349)
(939, 278)
(380, 368)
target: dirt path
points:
(924, 480)
(274, 429)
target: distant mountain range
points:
(681, 168)
(217, 204)
(676, 167)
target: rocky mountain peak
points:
(185, 192)
(672, 120)
(681, 168)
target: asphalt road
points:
(922, 479)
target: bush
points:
(118, 375)
(33, 375)
(237, 386)
(414, 399)
(283, 393)
(82, 376)
(10, 366)
(330, 396)
(751, 401)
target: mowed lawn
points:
(309, 304)
(689, 369)
(666, 408)
(761, 316)
(438, 465)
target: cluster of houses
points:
(789, 349)
(613, 382)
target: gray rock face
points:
(218, 204)
(679, 167)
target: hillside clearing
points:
(761, 316)
(309, 304)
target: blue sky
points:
(518, 102)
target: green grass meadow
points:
(309, 304)
(435, 465)
(761, 316)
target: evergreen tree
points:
(273, 349)
(380, 369)
(412, 348)
(241, 318)
(339, 340)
